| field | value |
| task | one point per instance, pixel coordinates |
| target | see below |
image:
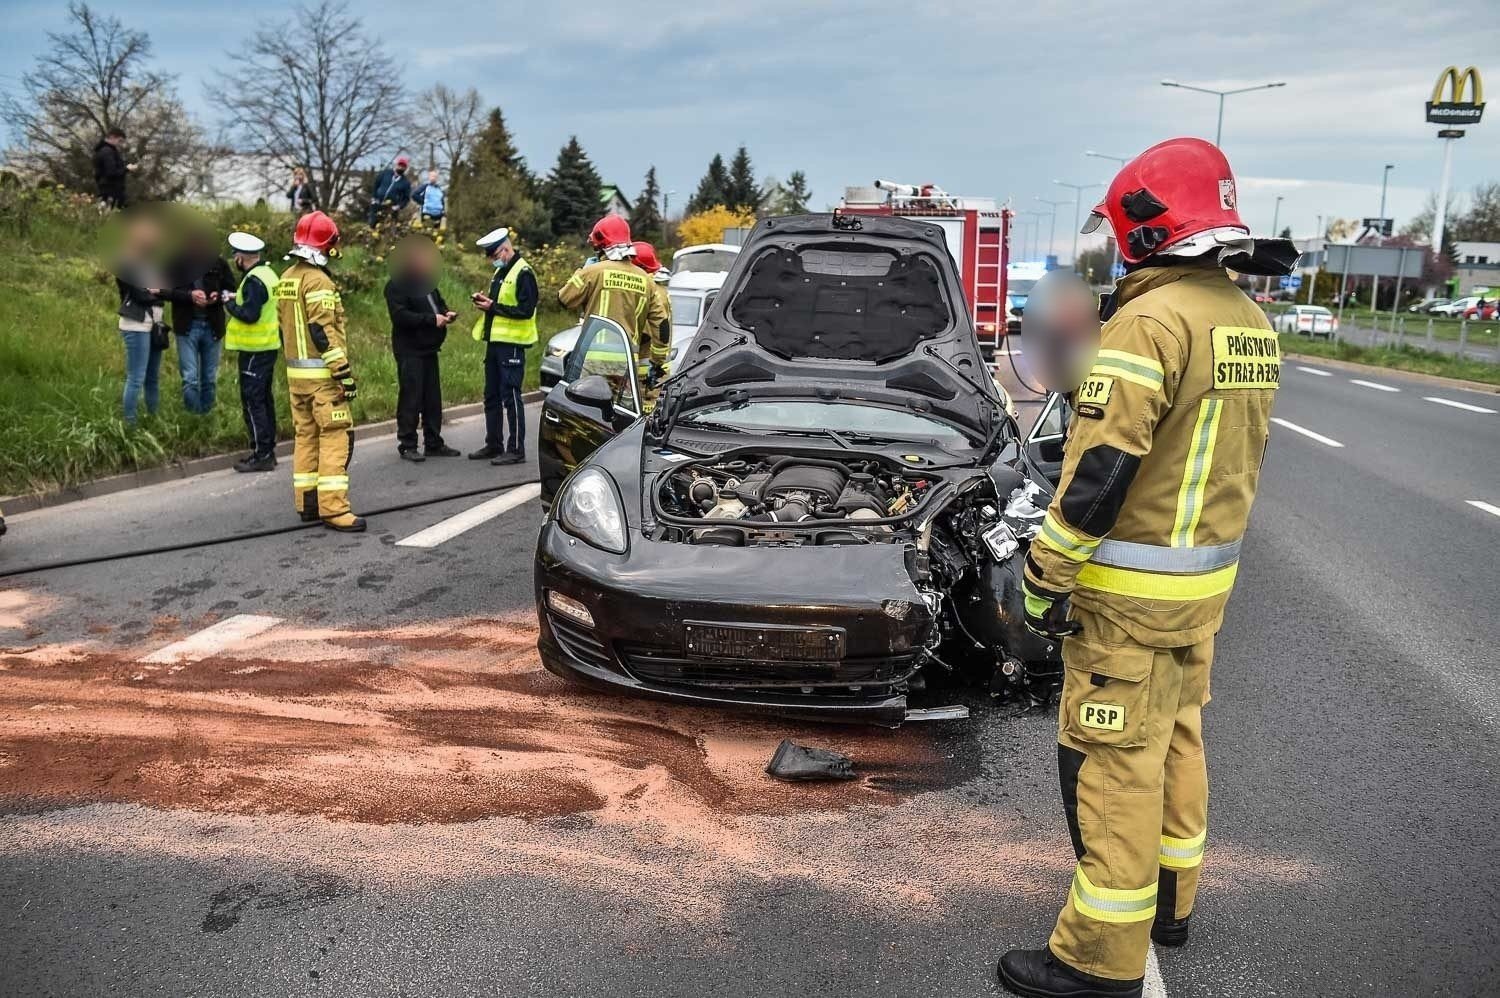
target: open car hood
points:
(841, 306)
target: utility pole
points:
(1221, 94)
(1275, 220)
(1077, 190)
(1385, 176)
(1323, 248)
(1052, 241)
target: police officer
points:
(507, 327)
(319, 379)
(615, 288)
(1143, 537)
(654, 349)
(252, 328)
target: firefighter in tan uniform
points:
(319, 380)
(1143, 536)
(653, 350)
(615, 288)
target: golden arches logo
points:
(1457, 110)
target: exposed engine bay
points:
(965, 530)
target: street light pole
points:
(1275, 220)
(1114, 239)
(1052, 240)
(1077, 190)
(1322, 248)
(1221, 94)
(1385, 176)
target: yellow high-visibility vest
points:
(265, 332)
(521, 332)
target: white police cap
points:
(244, 242)
(493, 238)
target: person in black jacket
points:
(110, 168)
(419, 324)
(200, 281)
(301, 197)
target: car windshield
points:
(703, 262)
(841, 417)
(685, 309)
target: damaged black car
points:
(827, 508)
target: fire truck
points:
(977, 232)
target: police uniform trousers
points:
(504, 371)
(1135, 791)
(323, 441)
(257, 370)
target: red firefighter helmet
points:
(317, 231)
(645, 257)
(611, 230)
(1173, 191)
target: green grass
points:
(1406, 358)
(1443, 328)
(62, 359)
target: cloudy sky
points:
(982, 98)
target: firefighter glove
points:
(1047, 613)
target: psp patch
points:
(1104, 716)
(1095, 390)
(1245, 357)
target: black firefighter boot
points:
(1170, 931)
(1036, 973)
(309, 512)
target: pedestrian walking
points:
(320, 381)
(507, 327)
(139, 279)
(419, 325)
(1143, 537)
(111, 169)
(391, 192)
(199, 282)
(301, 197)
(431, 200)
(251, 327)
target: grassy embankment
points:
(62, 359)
(1406, 358)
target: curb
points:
(1435, 379)
(202, 465)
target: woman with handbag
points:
(140, 315)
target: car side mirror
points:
(593, 391)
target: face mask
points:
(497, 263)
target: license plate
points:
(763, 642)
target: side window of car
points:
(603, 349)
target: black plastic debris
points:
(797, 763)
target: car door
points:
(598, 398)
(1042, 449)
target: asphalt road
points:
(379, 793)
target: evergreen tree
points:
(645, 220)
(573, 191)
(791, 198)
(712, 189)
(493, 187)
(742, 190)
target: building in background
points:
(613, 202)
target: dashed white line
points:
(1305, 432)
(212, 639)
(1458, 405)
(1314, 370)
(1373, 384)
(470, 518)
(1153, 986)
(1480, 504)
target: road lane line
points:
(450, 528)
(1457, 405)
(213, 639)
(1314, 370)
(1373, 384)
(1305, 432)
(1479, 504)
(1153, 986)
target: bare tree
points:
(449, 121)
(323, 95)
(95, 77)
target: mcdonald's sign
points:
(1465, 103)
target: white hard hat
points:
(493, 238)
(244, 242)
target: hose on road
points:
(250, 535)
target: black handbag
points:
(161, 335)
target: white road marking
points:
(212, 639)
(1153, 986)
(1314, 370)
(1305, 432)
(1373, 384)
(470, 518)
(1458, 405)
(1479, 504)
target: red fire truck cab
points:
(977, 232)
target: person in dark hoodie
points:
(419, 324)
(110, 168)
(200, 283)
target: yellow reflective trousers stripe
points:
(1182, 854)
(1195, 473)
(333, 483)
(1157, 585)
(1106, 904)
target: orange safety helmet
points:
(1173, 191)
(316, 231)
(611, 230)
(645, 257)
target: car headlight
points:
(591, 510)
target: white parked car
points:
(1307, 320)
(1456, 308)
